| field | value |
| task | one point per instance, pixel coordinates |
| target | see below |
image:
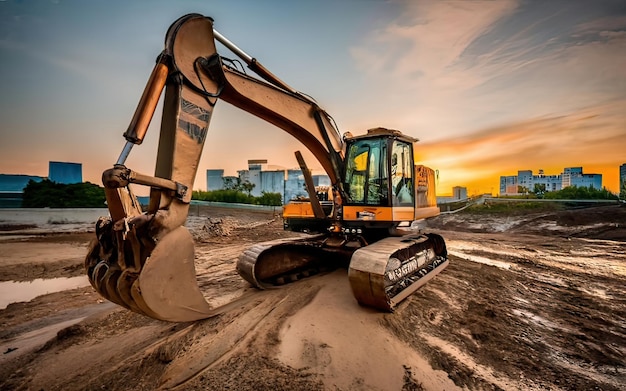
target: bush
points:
(228, 195)
(237, 196)
(580, 193)
(270, 199)
(48, 194)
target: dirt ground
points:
(532, 301)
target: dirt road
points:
(529, 302)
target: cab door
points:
(367, 179)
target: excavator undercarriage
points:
(144, 260)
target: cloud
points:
(428, 38)
(415, 61)
(448, 68)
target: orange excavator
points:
(144, 261)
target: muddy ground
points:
(530, 301)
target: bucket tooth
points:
(109, 285)
(124, 284)
(97, 277)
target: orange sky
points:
(594, 138)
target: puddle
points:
(17, 291)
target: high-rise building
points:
(64, 172)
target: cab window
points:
(401, 174)
(366, 179)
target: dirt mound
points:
(203, 229)
(600, 222)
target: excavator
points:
(144, 260)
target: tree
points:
(231, 183)
(237, 184)
(48, 194)
(539, 190)
(247, 187)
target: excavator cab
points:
(382, 183)
(379, 170)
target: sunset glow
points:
(489, 87)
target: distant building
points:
(258, 174)
(459, 193)
(568, 173)
(294, 186)
(547, 182)
(508, 185)
(272, 182)
(214, 179)
(525, 181)
(12, 189)
(578, 178)
(253, 175)
(230, 179)
(321, 180)
(267, 179)
(66, 173)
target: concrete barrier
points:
(40, 216)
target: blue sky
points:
(488, 87)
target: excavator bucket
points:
(157, 278)
(164, 288)
(167, 283)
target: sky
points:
(489, 87)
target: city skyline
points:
(488, 87)
(73, 170)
